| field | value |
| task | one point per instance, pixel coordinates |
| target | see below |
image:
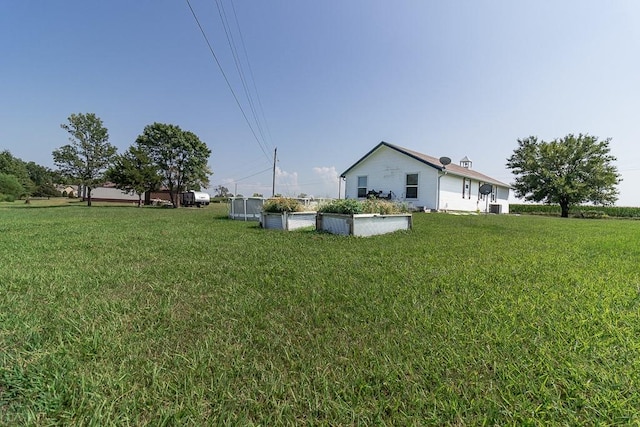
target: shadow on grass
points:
(37, 206)
(74, 204)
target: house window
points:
(494, 193)
(362, 186)
(411, 189)
(466, 188)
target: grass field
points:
(114, 315)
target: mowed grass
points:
(126, 316)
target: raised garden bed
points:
(285, 213)
(288, 220)
(362, 224)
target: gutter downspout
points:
(444, 172)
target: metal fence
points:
(246, 208)
(249, 208)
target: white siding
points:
(113, 194)
(386, 170)
(451, 196)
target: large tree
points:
(180, 156)
(567, 171)
(89, 155)
(134, 172)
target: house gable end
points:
(413, 154)
(432, 162)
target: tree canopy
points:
(10, 188)
(17, 168)
(34, 179)
(134, 172)
(180, 156)
(89, 155)
(568, 171)
(221, 191)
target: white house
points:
(404, 175)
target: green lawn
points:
(114, 315)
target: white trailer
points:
(195, 198)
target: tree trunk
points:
(172, 197)
(564, 207)
(175, 198)
(89, 196)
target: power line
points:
(238, 63)
(204, 35)
(257, 173)
(253, 80)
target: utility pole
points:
(273, 185)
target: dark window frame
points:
(411, 189)
(362, 191)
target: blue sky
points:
(332, 79)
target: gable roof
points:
(434, 163)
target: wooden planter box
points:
(362, 224)
(288, 220)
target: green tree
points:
(10, 187)
(567, 171)
(43, 180)
(89, 155)
(47, 190)
(180, 156)
(11, 165)
(134, 172)
(221, 191)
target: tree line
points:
(162, 157)
(22, 179)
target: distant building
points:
(109, 193)
(67, 189)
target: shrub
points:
(383, 207)
(10, 186)
(592, 214)
(344, 206)
(46, 190)
(373, 206)
(282, 204)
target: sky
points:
(324, 81)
